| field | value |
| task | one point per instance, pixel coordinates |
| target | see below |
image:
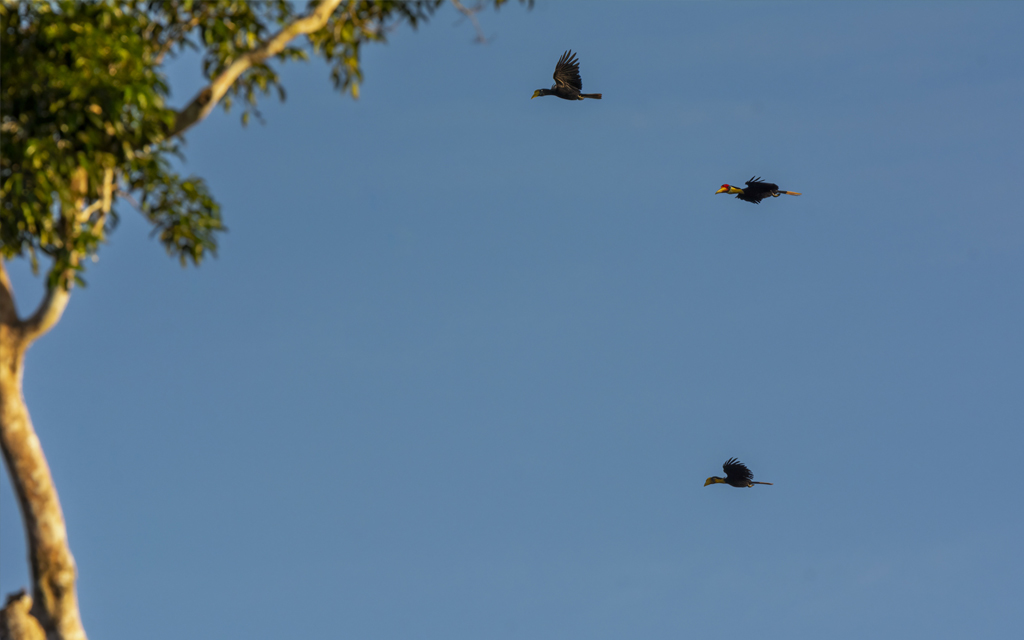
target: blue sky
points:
(466, 359)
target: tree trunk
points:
(54, 603)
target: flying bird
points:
(568, 84)
(736, 474)
(756, 191)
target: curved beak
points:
(707, 482)
(722, 190)
(535, 94)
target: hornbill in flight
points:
(736, 474)
(568, 84)
(756, 191)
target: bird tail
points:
(595, 96)
(790, 193)
(755, 482)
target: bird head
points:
(714, 479)
(538, 92)
(728, 188)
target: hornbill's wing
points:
(567, 72)
(757, 184)
(757, 190)
(736, 469)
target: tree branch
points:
(102, 202)
(84, 214)
(471, 14)
(15, 620)
(47, 315)
(205, 101)
(8, 312)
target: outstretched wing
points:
(734, 469)
(757, 190)
(760, 185)
(567, 72)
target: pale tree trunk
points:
(51, 612)
(52, 609)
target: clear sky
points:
(466, 358)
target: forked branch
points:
(47, 314)
(470, 13)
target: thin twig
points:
(173, 39)
(471, 14)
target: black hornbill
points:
(567, 81)
(756, 191)
(736, 474)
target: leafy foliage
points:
(84, 124)
(82, 95)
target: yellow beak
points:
(535, 94)
(722, 190)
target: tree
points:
(85, 129)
